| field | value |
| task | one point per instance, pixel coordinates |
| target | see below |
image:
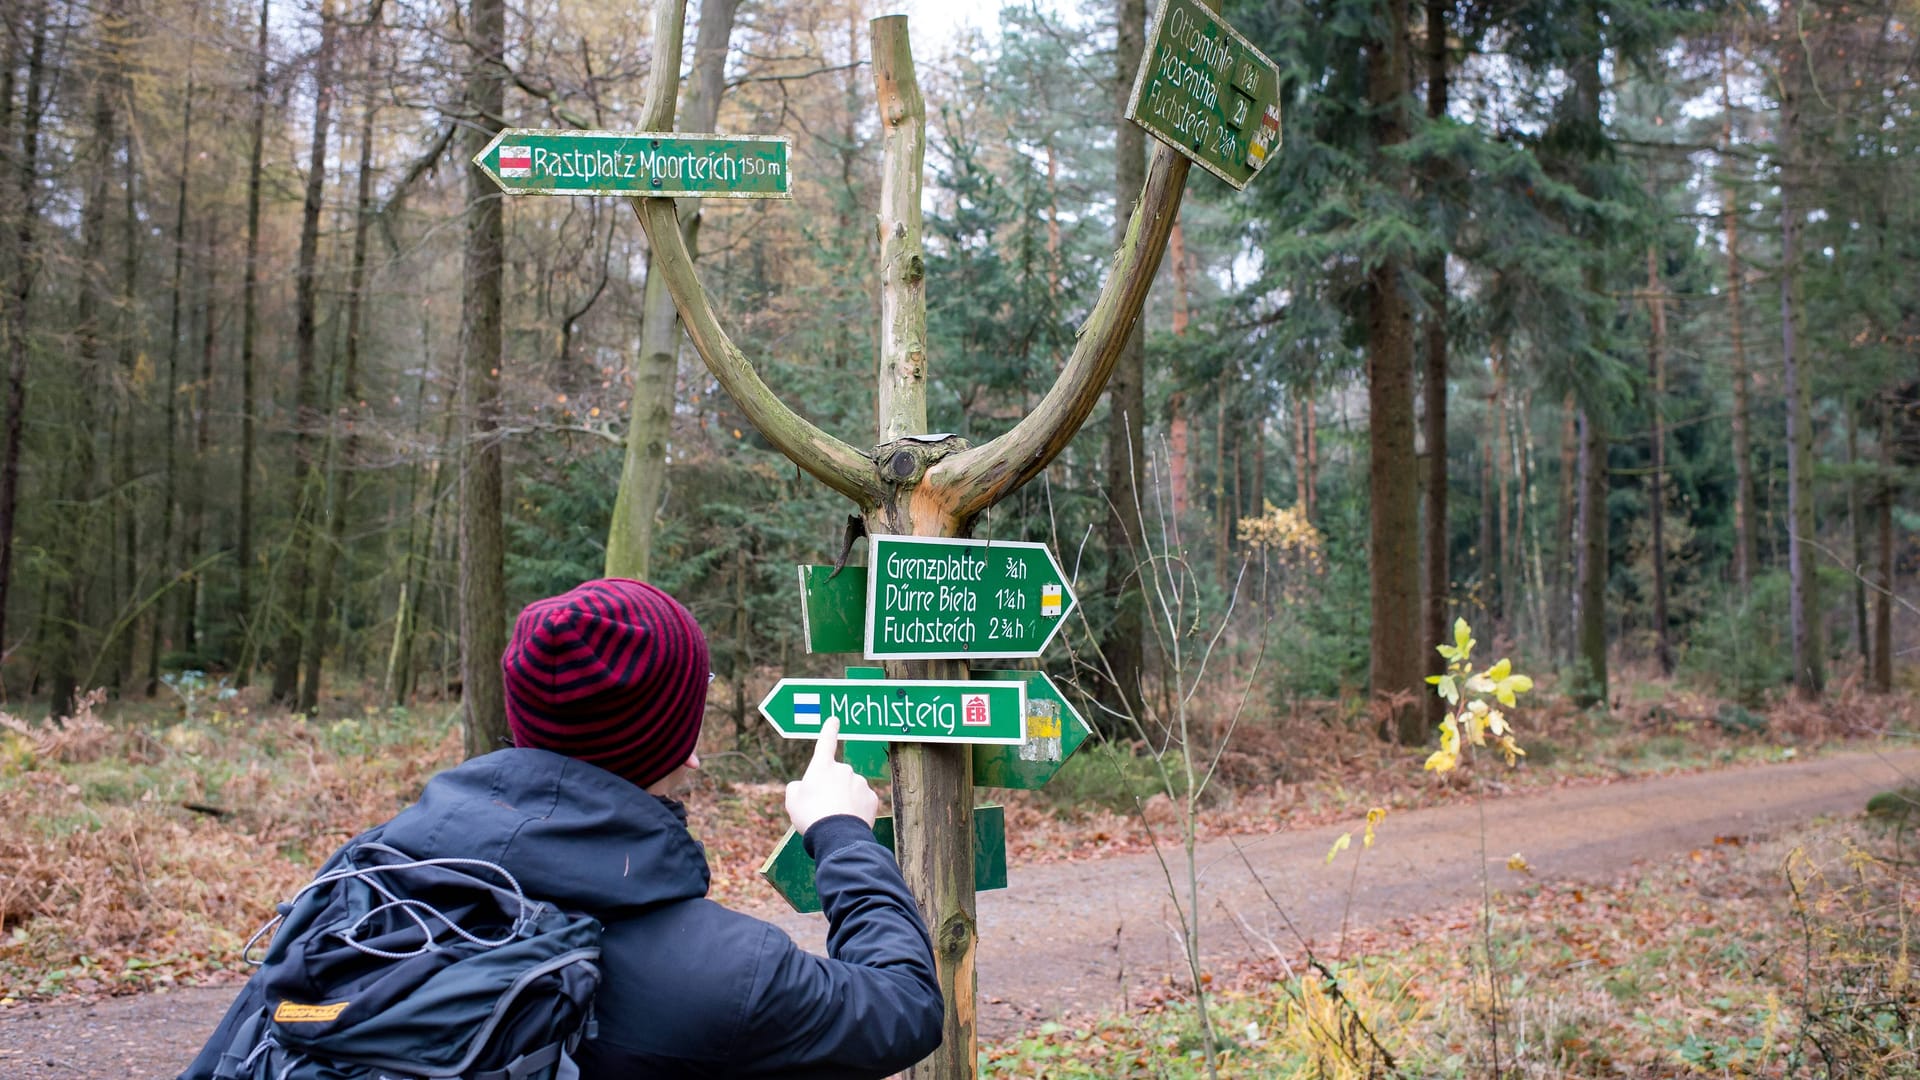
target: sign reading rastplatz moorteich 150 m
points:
(930, 597)
(1207, 92)
(535, 161)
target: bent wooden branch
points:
(834, 463)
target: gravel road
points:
(1077, 937)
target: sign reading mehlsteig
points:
(534, 161)
(1207, 92)
(904, 710)
(932, 597)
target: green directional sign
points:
(833, 608)
(790, 869)
(889, 710)
(1207, 92)
(535, 161)
(1055, 730)
(931, 597)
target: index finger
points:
(827, 749)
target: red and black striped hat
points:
(613, 672)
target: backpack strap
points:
(534, 1063)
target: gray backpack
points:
(387, 967)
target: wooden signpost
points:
(911, 484)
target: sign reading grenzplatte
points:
(931, 597)
(534, 161)
(1207, 92)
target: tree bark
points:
(295, 569)
(345, 454)
(1396, 669)
(1176, 402)
(249, 330)
(1590, 593)
(483, 601)
(119, 649)
(196, 505)
(1503, 591)
(1656, 479)
(1743, 497)
(1880, 679)
(656, 370)
(18, 223)
(1856, 534)
(1566, 552)
(69, 568)
(1803, 616)
(1123, 643)
(1434, 383)
(168, 614)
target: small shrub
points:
(1740, 649)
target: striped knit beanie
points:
(614, 673)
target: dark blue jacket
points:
(688, 988)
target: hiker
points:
(605, 694)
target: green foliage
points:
(1740, 649)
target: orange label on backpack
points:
(289, 1013)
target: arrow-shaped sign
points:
(888, 710)
(1055, 730)
(536, 161)
(931, 597)
(790, 869)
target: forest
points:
(1593, 324)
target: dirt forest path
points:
(1069, 938)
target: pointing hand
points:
(830, 786)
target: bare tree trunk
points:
(1590, 593)
(344, 439)
(1434, 382)
(1177, 451)
(295, 568)
(1803, 616)
(69, 568)
(1561, 635)
(1505, 568)
(1122, 644)
(1856, 533)
(170, 561)
(1656, 480)
(17, 224)
(119, 650)
(1396, 668)
(1880, 680)
(483, 602)
(1743, 497)
(196, 506)
(249, 327)
(656, 372)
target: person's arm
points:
(873, 1006)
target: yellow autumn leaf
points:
(1441, 761)
(1512, 749)
(1497, 723)
(1449, 736)
(1340, 845)
(1462, 638)
(1517, 863)
(1505, 690)
(1374, 817)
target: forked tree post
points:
(909, 482)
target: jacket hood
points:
(572, 833)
